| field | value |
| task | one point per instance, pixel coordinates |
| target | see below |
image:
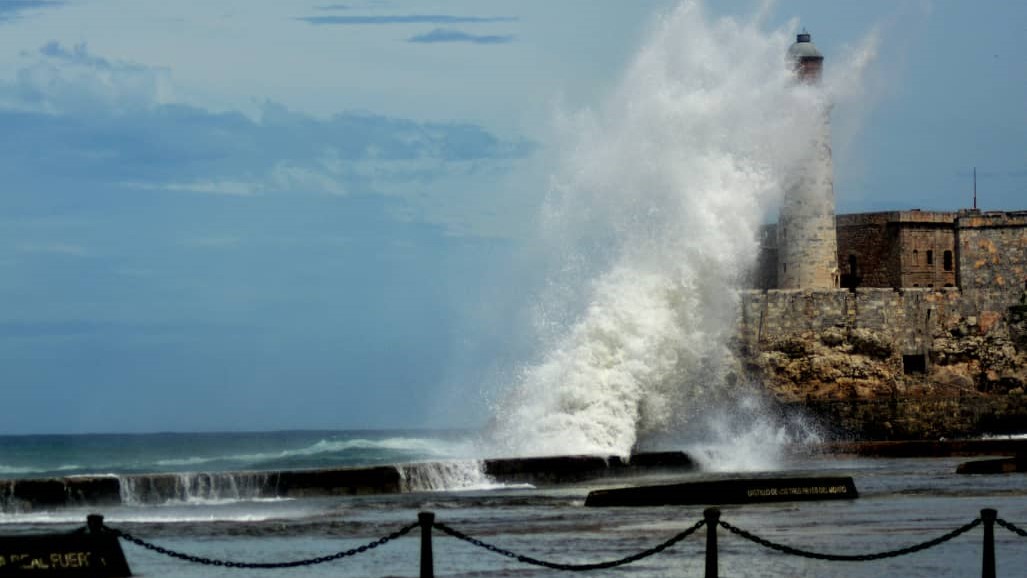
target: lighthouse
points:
(806, 238)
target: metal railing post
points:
(94, 522)
(426, 519)
(988, 516)
(712, 516)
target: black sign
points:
(76, 554)
(729, 491)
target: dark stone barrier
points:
(46, 492)
(569, 469)
(104, 490)
(730, 491)
(58, 492)
(30, 494)
(92, 554)
(338, 482)
(548, 469)
(998, 466)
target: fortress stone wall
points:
(992, 258)
(927, 358)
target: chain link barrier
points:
(572, 567)
(851, 557)
(1011, 527)
(262, 565)
(561, 566)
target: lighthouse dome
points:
(804, 48)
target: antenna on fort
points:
(975, 187)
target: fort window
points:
(916, 257)
(930, 257)
(850, 277)
(946, 259)
(914, 364)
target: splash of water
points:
(750, 436)
(195, 488)
(654, 218)
(445, 476)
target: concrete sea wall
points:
(19, 495)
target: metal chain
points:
(852, 557)
(231, 564)
(1011, 527)
(573, 567)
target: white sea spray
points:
(653, 221)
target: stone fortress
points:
(901, 324)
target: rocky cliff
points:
(885, 363)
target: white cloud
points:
(73, 80)
(291, 176)
(116, 122)
(232, 188)
(283, 177)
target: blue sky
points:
(267, 215)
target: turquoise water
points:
(37, 456)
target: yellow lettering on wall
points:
(69, 560)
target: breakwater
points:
(22, 495)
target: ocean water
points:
(902, 502)
(120, 454)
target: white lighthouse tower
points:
(807, 241)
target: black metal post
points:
(712, 516)
(94, 522)
(426, 519)
(988, 516)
